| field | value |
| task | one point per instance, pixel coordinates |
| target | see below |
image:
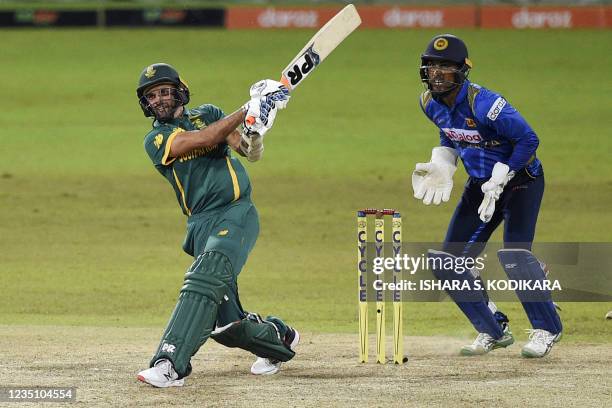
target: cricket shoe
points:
(268, 366)
(540, 343)
(161, 375)
(485, 343)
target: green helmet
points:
(160, 73)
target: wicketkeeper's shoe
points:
(485, 343)
(161, 375)
(540, 343)
(268, 366)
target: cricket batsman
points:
(190, 147)
(506, 183)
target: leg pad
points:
(521, 264)
(473, 303)
(206, 283)
(260, 337)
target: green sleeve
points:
(208, 113)
(157, 144)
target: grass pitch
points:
(90, 234)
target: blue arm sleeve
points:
(509, 123)
(445, 141)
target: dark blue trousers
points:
(518, 206)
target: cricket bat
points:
(319, 47)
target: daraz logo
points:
(496, 108)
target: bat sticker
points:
(302, 67)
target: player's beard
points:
(164, 111)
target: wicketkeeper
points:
(190, 147)
(506, 183)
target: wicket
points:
(379, 240)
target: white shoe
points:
(268, 366)
(485, 343)
(265, 366)
(540, 343)
(161, 375)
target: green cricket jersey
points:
(205, 178)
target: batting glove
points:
(433, 181)
(251, 144)
(260, 115)
(492, 189)
(274, 89)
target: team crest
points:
(440, 43)
(158, 140)
(470, 122)
(150, 71)
(198, 123)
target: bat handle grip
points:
(285, 81)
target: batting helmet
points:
(446, 47)
(160, 73)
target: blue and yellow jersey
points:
(484, 129)
(203, 179)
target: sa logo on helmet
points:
(150, 71)
(441, 44)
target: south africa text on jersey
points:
(202, 151)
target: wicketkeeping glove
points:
(433, 181)
(276, 90)
(492, 189)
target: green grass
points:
(90, 234)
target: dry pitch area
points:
(102, 363)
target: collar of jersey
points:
(175, 121)
(462, 95)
